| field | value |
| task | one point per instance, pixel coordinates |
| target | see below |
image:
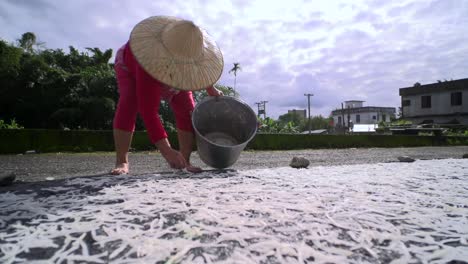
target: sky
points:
(337, 50)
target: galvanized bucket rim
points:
(223, 97)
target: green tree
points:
(316, 122)
(10, 58)
(227, 91)
(97, 112)
(292, 117)
(301, 123)
(167, 117)
(10, 67)
(33, 98)
(289, 128)
(66, 118)
(269, 125)
(11, 125)
(100, 57)
(51, 88)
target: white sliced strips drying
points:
(398, 212)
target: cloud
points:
(440, 9)
(378, 3)
(301, 43)
(31, 7)
(403, 10)
(315, 23)
(367, 16)
(337, 51)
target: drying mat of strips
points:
(370, 213)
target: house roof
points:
(354, 101)
(365, 109)
(461, 84)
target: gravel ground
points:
(40, 167)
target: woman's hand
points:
(212, 91)
(175, 159)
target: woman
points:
(165, 58)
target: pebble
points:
(405, 159)
(299, 162)
(7, 179)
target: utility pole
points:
(258, 109)
(261, 108)
(342, 115)
(264, 108)
(349, 119)
(308, 100)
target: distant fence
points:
(41, 140)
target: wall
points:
(366, 118)
(440, 104)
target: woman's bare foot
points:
(193, 169)
(121, 168)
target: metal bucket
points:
(223, 126)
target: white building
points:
(354, 112)
(438, 103)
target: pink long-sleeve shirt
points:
(141, 93)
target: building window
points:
(426, 101)
(406, 102)
(358, 119)
(456, 98)
(374, 117)
(339, 121)
(384, 118)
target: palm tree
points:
(234, 69)
(27, 41)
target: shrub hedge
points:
(41, 140)
(285, 142)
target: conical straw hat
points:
(177, 52)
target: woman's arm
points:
(212, 91)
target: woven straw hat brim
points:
(189, 73)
